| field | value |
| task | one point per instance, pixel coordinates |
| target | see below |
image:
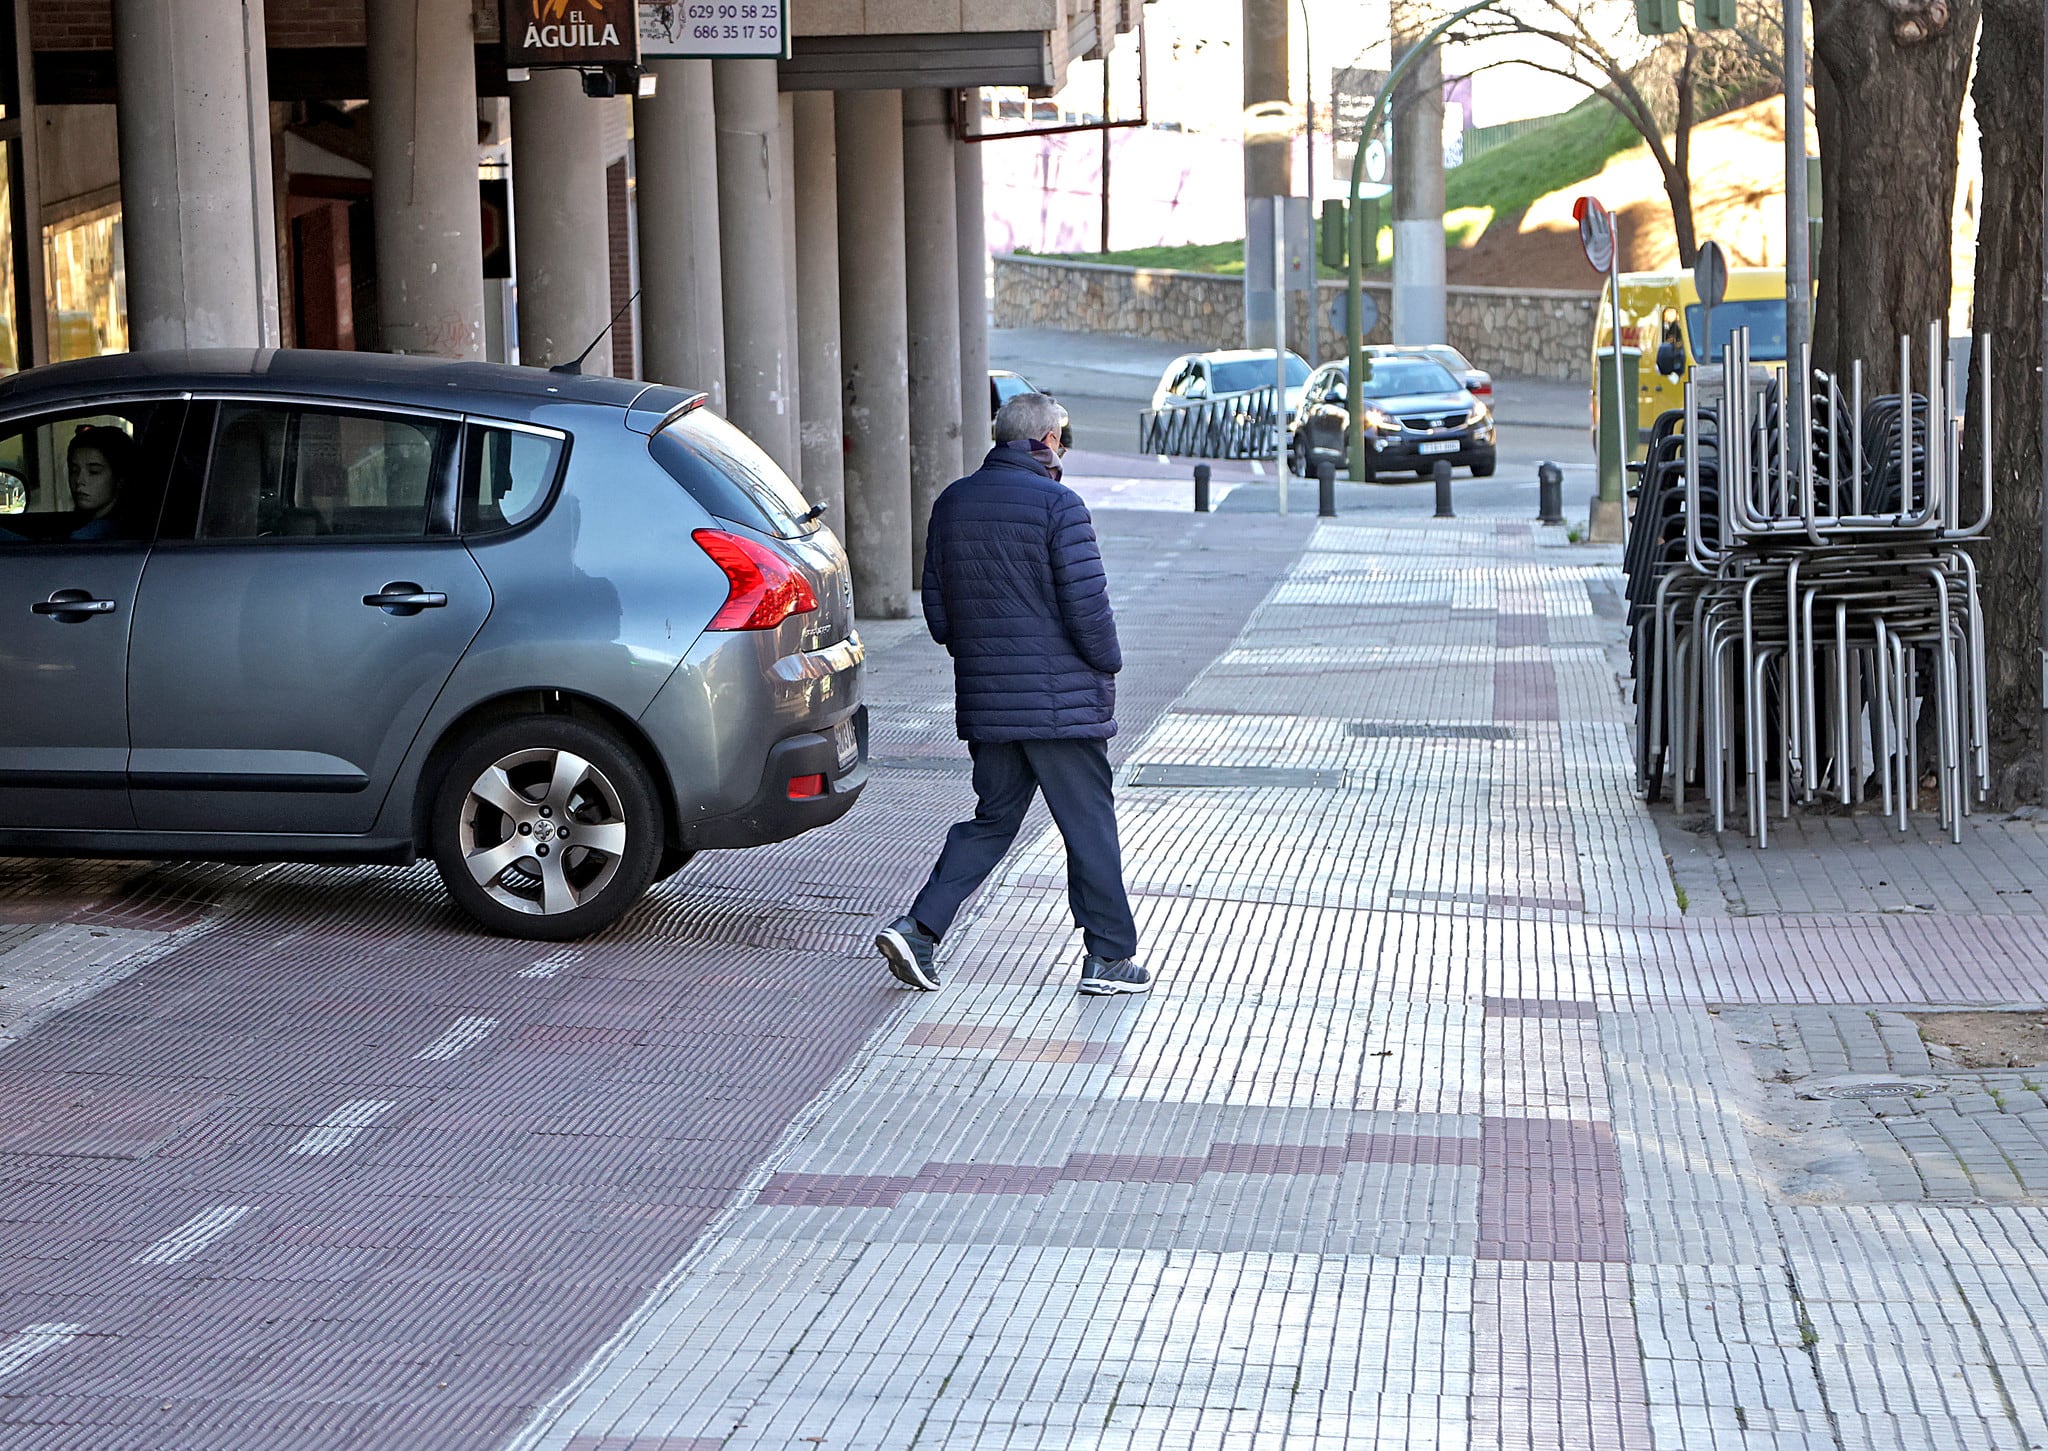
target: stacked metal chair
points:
(1804, 604)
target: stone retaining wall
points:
(1520, 332)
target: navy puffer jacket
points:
(1014, 589)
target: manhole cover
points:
(1864, 1090)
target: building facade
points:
(802, 237)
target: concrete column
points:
(196, 197)
(430, 265)
(1268, 165)
(32, 335)
(816, 191)
(931, 280)
(760, 373)
(682, 316)
(792, 327)
(562, 245)
(875, 350)
(974, 419)
(1418, 184)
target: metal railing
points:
(1230, 425)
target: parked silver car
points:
(556, 632)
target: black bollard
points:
(1326, 490)
(1201, 488)
(1549, 493)
(1442, 470)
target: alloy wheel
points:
(542, 831)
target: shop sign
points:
(719, 29)
(540, 33)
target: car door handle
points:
(72, 605)
(407, 596)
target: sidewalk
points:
(1479, 1105)
(1446, 1126)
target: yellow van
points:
(1664, 307)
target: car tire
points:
(673, 860)
(1482, 467)
(528, 782)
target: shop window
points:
(88, 285)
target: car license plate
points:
(844, 741)
(1442, 445)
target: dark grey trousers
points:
(1075, 777)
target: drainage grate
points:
(1378, 731)
(1864, 1090)
(1159, 773)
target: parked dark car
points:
(1003, 385)
(557, 633)
(1415, 413)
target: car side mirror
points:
(1670, 359)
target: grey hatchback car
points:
(557, 633)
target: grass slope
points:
(1500, 183)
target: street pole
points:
(1308, 87)
(1618, 490)
(1355, 226)
(1280, 347)
(1798, 264)
(1105, 149)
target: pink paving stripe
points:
(645, 1443)
(957, 1035)
(1571, 902)
(1010, 1048)
(1540, 1008)
(886, 1191)
(1524, 690)
(1059, 1050)
(1516, 630)
(1550, 1189)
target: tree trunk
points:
(2008, 307)
(1678, 175)
(1888, 98)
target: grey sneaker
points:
(1101, 976)
(910, 950)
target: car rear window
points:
(731, 476)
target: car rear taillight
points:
(1481, 387)
(763, 589)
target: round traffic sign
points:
(1340, 314)
(1710, 273)
(1596, 232)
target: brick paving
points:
(1479, 1105)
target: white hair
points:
(1028, 415)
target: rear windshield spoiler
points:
(658, 407)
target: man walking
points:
(1014, 589)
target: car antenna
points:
(575, 365)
